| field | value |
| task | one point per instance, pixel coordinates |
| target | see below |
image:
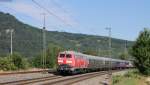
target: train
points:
(76, 62)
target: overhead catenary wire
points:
(51, 13)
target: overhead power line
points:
(51, 13)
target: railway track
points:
(70, 81)
(30, 81)
(50, 79)
(74, 79)
(56, 80)
(25, 72)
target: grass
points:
(130, 78)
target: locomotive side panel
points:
(80, 61)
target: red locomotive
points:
(74, 62)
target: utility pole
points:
(11, 32)
(109, 43)
(125, 47)
(11, 39)
(125, 50)
(106, 82)
(44, 40)
(99, 51)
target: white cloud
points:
(30, 9)
(25, 8)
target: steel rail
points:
(57, 79)
(74, 79)
(70, 81)
(28, 81)
(25, 72)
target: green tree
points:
(19, 61)
(124, 56)
(37, 61)
(52, 53)
(51, 57)
(141, 52)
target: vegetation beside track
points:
(141, 52)
(18, 62)
(13, 62)
(130, 78)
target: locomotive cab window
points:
(62, 55)
(68, 56)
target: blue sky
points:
(126, 17)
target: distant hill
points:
(27, 39)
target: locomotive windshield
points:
(62, 55)
(68, 56)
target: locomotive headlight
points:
(60, 61)
(68, 61)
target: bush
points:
(13, 62)
(132, 74)
(19, 61)
(116, 79)
(37, 61)
(6, 64)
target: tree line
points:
(17, 62)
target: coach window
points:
(62, 55)
(68, 56)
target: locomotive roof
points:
(93, 57)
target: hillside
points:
(27, 39)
